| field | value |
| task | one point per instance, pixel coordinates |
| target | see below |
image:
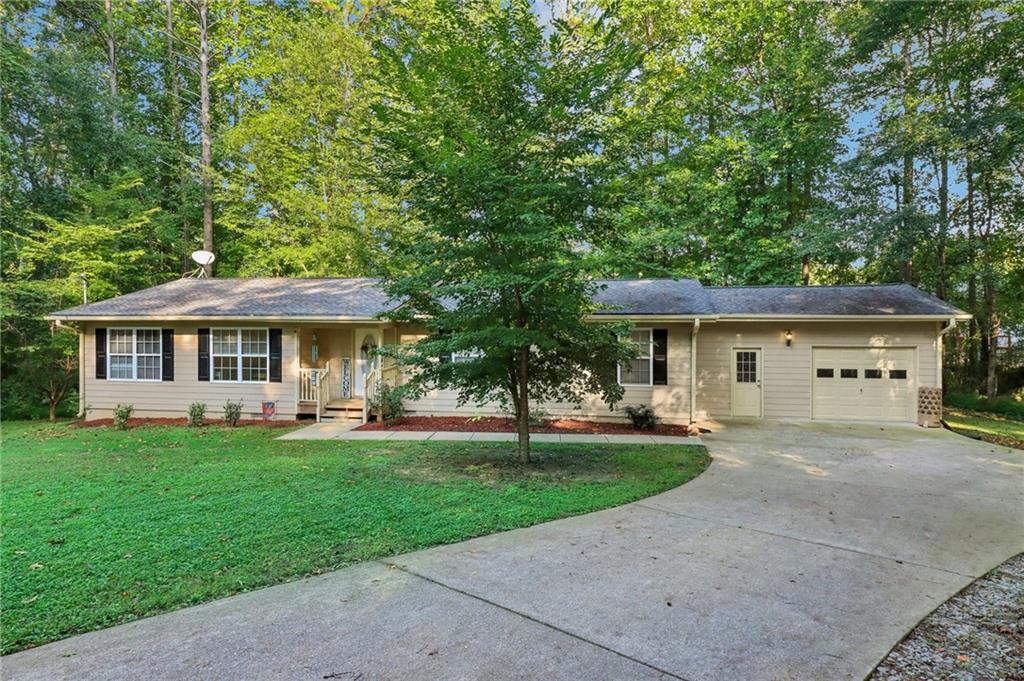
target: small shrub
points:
(122, 412)
(539, 418)
(232, 412)
(196, 413)
(643, 417)
(388, 403)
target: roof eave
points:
(959, 316)
(200, 318)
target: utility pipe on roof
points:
(693, 370)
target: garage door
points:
(864, 384)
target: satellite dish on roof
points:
(203, 258)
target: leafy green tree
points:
(292, 189)
(490, 132)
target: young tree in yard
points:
(490, 132)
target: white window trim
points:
(238, 352)
(135, 353)
(650, 358)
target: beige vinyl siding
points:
(786, 371)
(671, 402)
(171, 398)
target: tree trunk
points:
(972, 279)
(53, 410)
(108, 11)
(524, 405)
(906, 240)
(805, 270)
(178, 132)
(940, 284)
(206, 162)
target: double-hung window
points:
(637, 371)
(133, 354)
(239, 355)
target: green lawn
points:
(102, 526)
(986, 426)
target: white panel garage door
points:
(864, 384)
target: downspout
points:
(693, 369)
(81, 372)
(950, 325)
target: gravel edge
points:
(976, 635)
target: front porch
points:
(337, 372)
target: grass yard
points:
(988, 427)
(102, 526)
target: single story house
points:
(292, 347)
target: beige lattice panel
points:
(929, 407)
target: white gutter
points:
(693, 369)
(216, 318)
(950, 325)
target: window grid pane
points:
(148, 368)
(746, 367)
(254, 368)
(120, 341)
(225, 342)
(147, 341)
(638, 370)
(254, 342)
(225, 368)
(121, 366)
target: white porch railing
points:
(371, 384)
(313, 387)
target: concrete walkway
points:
(345, 430)
(804, 552)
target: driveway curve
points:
(804, 552)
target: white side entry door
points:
(746, 382)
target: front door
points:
(366, 343)
(746, 382)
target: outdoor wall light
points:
(789, 338)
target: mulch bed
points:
(494, 424)
(977, 634)
(132, 422)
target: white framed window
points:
(134, 354)
(467, 355)
(239, 355)
(639, 370)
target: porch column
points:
(693, 369)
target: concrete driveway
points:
(804, 552)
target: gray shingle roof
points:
(267, 297)
(878, 299)
(652, 297)
(363, 298)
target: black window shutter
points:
(275, 355)
(101, 353)
(204, 354)
(660, 366)
(167, 344)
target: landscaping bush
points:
(643, 417)
(196, 413)
(232, 412)
(539, 418)
(1003, 405)
(122, 412)
(388, 403)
